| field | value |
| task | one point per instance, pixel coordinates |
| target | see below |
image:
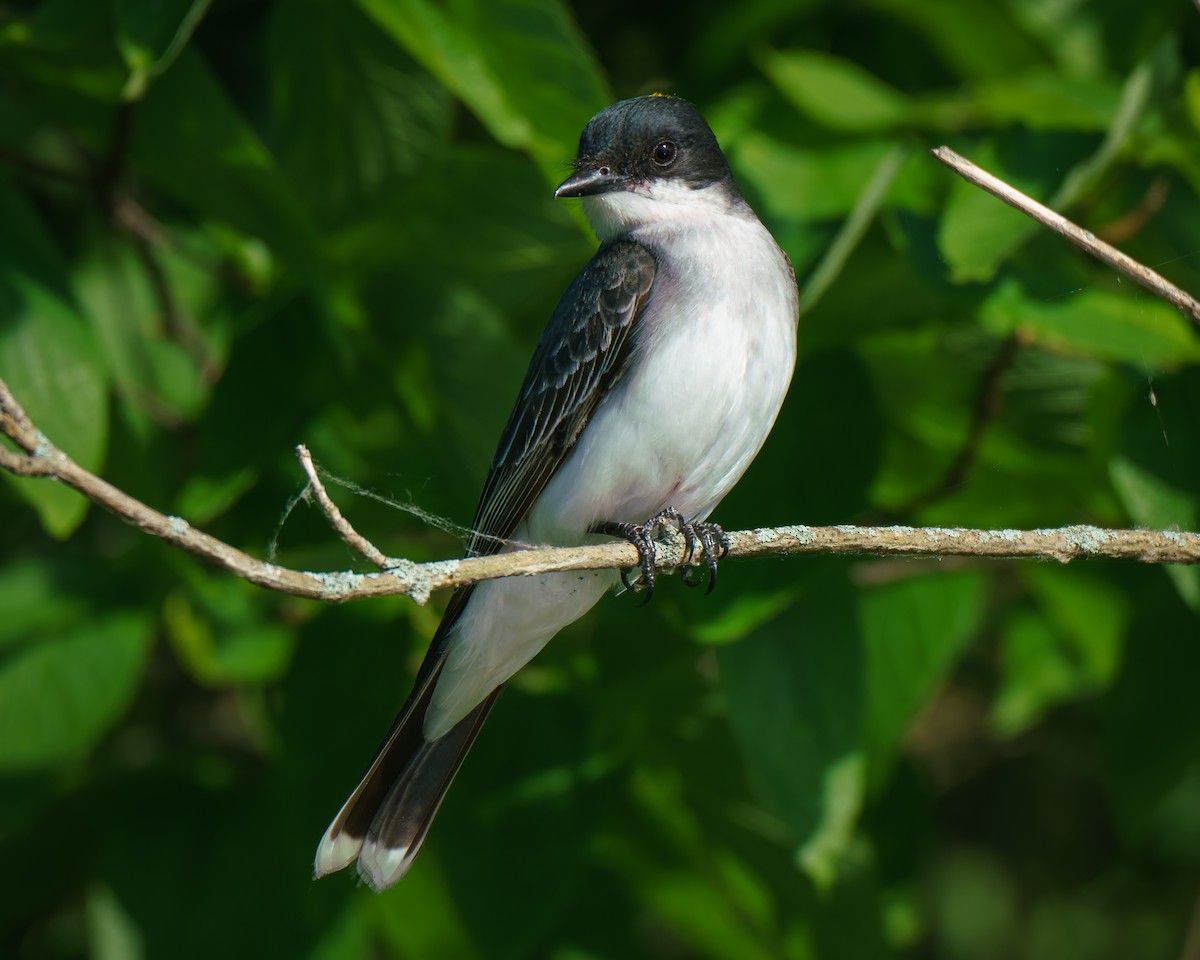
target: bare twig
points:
(1154, 282)
(417, 580)
(353, 539)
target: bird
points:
(652, 388)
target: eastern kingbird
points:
(652, 388)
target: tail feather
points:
(386, 818)
(404, 817)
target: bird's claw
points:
(709, 536)
(715, 542)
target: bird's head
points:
(649, 160)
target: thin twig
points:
(352, 538)
(417, 580)
(1085, 239)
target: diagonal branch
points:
(1156, 283)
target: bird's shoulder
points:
(584, 350)
(593, 318)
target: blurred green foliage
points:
(229, 227)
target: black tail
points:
(385, 821)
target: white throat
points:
(660, 203)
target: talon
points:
(710, 557)
(639, 535)
(716, 545)
(710, 536)
(726, 543)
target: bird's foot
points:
(715, 542)
(709, 536)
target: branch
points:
(1085, 239)
(40, 458)
(418, 580)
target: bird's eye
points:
(664, 153)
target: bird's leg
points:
(639, 534)
(715, 542)
(708, 535)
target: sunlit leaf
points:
(835, 92)
(1048, 100)
(913, 631)
(520, 65)
(1128, 327)
(49, 360)
(817, 184)
(977, 232)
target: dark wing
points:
(586, 348)
(584, 351)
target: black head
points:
(635, 143)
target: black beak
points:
(590, 181)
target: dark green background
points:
(229, 228)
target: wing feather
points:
(585, 349)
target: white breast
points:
(716, 355)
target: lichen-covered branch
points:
(38, 457)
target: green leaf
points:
(60, 693)
(1089, 616)
(521, 66)
(1048, 100)
(191, 142)
(1130, 327)
(151, 34)
(1191, 98)
(794, 689)
(1072, 649)
(351, 110)
(976, 231)
(240, 651)
(1158, 504)
(738, 920)
(160, 371)
(834, 92)
(820, 184)
(33, 600)
(975, 40)
(427, 896)
(205, 497)
(65, 46)
(1151, 726)
(913, 631)
(49, 360)
(112, 932)
(866, 208)
(704, 917)
(743, 615)
(1036, 674)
